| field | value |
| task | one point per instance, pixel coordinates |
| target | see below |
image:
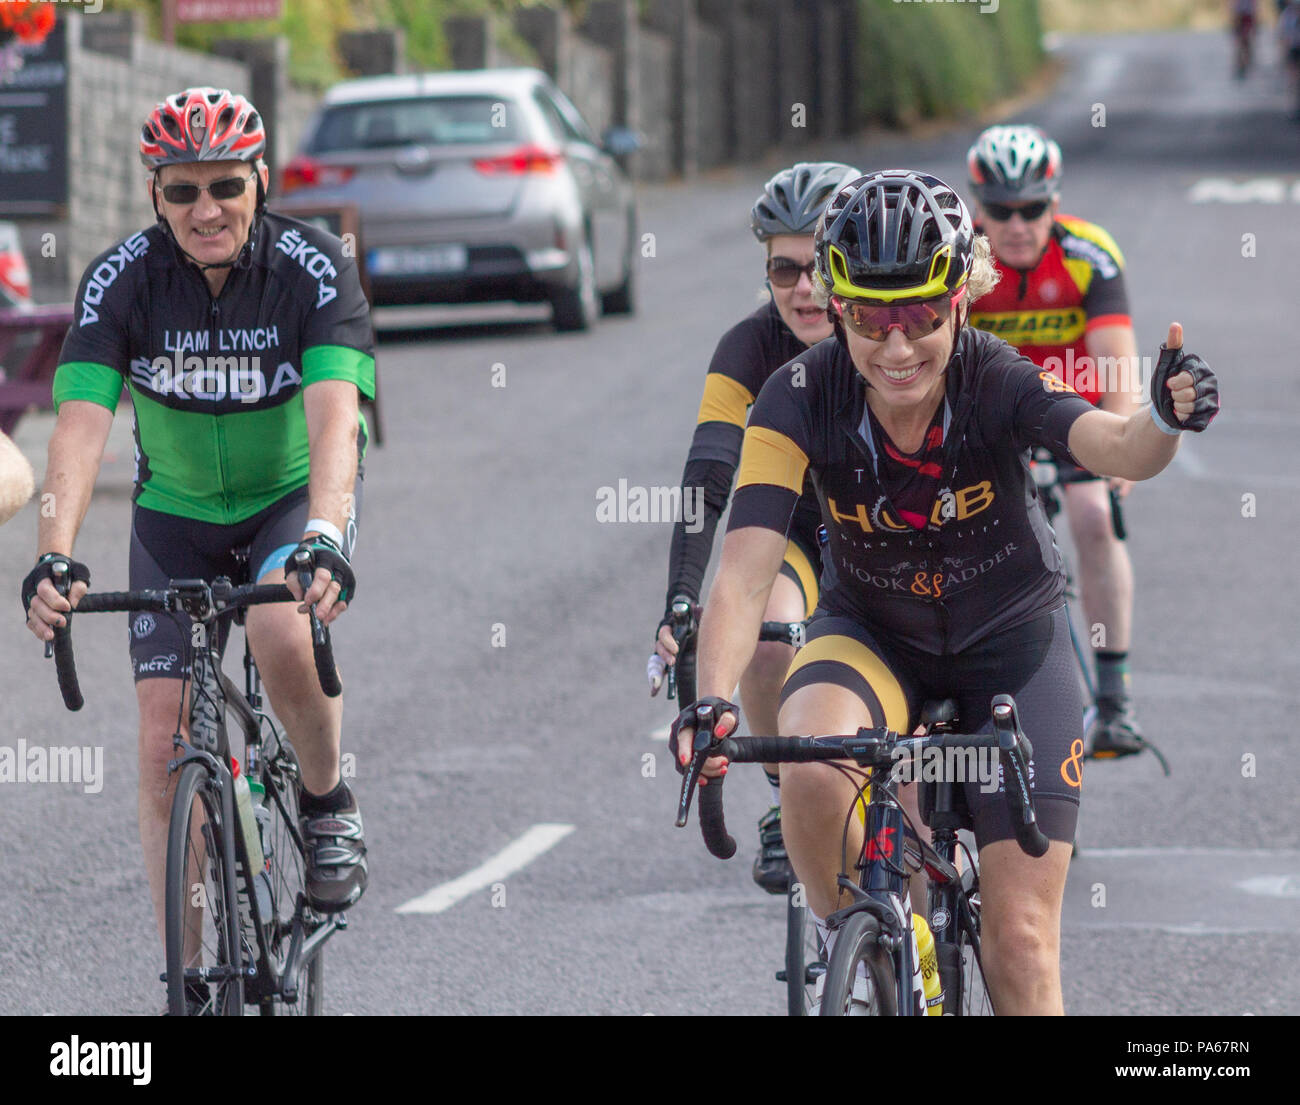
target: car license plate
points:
(410, 260)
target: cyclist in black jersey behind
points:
(782, 219)
(947, 582)
(259, 451)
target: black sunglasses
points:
(1000, 212)
(784, 273)
(227, 188)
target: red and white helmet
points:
(202, 124)
(1011, 164)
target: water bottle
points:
(929, 962)
(261, 880)
(248, 821)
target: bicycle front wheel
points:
(201, 911)
(282, 886)
(805, 960)
(860, 976)
(961, 969)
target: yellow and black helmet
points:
(894, 235)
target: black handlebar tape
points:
(685, 668)
(713, 825)
(1117, 516)
(66, 667)
(323, 652)
(110, 602)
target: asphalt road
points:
(494, 660)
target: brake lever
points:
(61, 577)
(682, 629)
(700, 752)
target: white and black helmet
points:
(1011, 164)
(793, 200)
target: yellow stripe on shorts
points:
(798, 560)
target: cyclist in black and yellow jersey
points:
(244, 340)
(946, 579)
(782, 220)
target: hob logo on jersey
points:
(313, 260)
(948, 506)
(106, 272)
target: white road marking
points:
(510, 859)
(1272, 886)
(1178, 850)
(661, 734)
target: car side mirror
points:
(621, 141)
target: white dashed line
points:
(510, 859)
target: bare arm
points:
(1114, 352)
(751, 558)
(1133, 448)
(74, 453)
(16, 479)
(330, 407)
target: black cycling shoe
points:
(772, 870)
(336, 858)
(1115, 733)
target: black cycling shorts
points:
(1034, 662)
(166, 547)
(802, 564)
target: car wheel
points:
(622, 300)
(576, 307)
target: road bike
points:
(805, 959)
(874, 967)
(238, 928)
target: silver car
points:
(472, 187)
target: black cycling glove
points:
(323, 553)
(76, 573)
(690, 719)
(1171, 363)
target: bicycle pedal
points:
(781, 976)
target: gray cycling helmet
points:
(1014, 164)
(793, 200)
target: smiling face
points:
(906, 376)
(211, 231)
(806, 320)
(1017, 243)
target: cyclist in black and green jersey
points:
(782, 219)
(244, 339)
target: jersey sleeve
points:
(1105, 303)
(775, 456)
(96, 350)
(1041, 406)
(338, 339)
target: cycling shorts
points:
(802, 564)
(1034, 662)
(167, 546)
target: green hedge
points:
(922, 59)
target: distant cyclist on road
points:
(1061, 301)
(1244, 17)
(782, 219)
(243, 338)
(947, 582)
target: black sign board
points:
(34, 130)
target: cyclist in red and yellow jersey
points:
(1061, 302)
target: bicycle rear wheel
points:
(201, 912)
(805, 960)
(282, 885)
(848, 994)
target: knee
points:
(807, 789)
(1090, 525)
(1023, 941)
(770, 663)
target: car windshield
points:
(432, 121)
